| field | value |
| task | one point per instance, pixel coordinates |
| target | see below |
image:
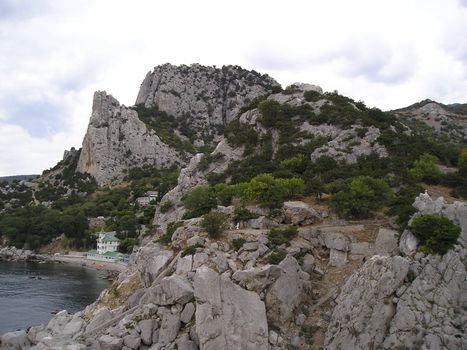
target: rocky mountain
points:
(117, 140)
(204, 96)
(12, 178)
(281, 236)
(447, 119)
(201, 99)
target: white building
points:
(149, 197)
(107, 248)
(107, 242)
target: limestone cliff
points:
(197, 97)
(205, 96)
(117, 140)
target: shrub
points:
(426, 168)
(214, 223)
(276, 256)
(225, 193)
(271, 192)
(312, 96)
(237, 243)
(436, 234)
(361, 197)
(199, 201)
(271, 112)
(278, 237)
(126, 246)
(243, 214)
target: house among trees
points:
(107, 248)
(149, 197)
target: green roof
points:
(92, 251)
(111, 254)
(110, 238)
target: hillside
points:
(286, 219)
(12, 178)
(450, 120)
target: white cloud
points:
(54, 54)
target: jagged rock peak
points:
(117, 140)
(204, 95)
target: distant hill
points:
(12, 178)
(448, 119)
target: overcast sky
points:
(55, 54)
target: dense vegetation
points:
(31, 225)
(357, 190)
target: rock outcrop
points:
(205, 96)
(14, 254)
(396, 302)
(227, 316)
(117, 140)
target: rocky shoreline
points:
(15, 254)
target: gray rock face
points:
(170, 290)
(227, 316)
(396, 303)
(347, 146)
(364, 307)
(151, 260)
(117, 140)
(14, 254)
(187, 313)
(431, 313)
(14, 341)
(300, 213)
(101, 317)
(146, 327)
(408, 243)
(258, 278)
(204, 96)
(337, 241)
(286, 293)
(386, 241)
(170, 326)
(108, 342)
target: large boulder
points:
(170, 325)
(300, 213)
(386, 241)
(169, 291)
(14, 341)
(228, 316)
(108, 342)
(408, 243)
(151, 261)
(286, 293)
(257, 279)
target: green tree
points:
(436, 234)
(361, 197)
(126, 246)
(199, 201)
(426, 168)
(214, 223)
